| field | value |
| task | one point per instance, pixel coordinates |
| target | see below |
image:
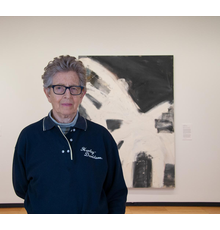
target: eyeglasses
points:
(61, 89)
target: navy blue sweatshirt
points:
(79, 172)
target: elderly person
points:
(65, 163)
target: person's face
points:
(65, 106)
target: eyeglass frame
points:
(67, 87)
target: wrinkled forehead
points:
(66, 78)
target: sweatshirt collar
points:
(81, 123)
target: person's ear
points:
(47, 93)
(83, 93)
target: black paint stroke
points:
(84, 113)
(94, 101)
(96, 82)
(142, 171)
(165, 123)
(169, 175)
(150, 78)
(120, 144)
(113, 124)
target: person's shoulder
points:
(95, 126)
(98, 129)
(30, 131)
(33, 126)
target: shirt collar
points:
(81, 123)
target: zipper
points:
(71, 152)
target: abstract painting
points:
(132, 96)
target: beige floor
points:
(171, 210)
(143, 210)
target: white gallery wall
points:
(27, 44)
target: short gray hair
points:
(64, 64)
